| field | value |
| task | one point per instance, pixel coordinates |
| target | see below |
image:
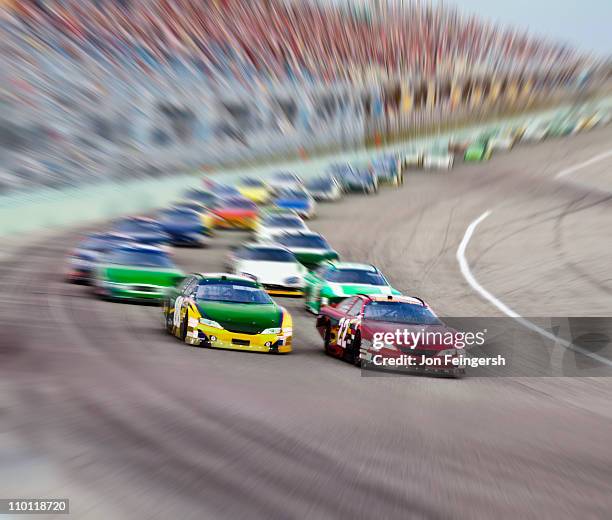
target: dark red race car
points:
(398, 333)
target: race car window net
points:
(400, 312)
(355, 276)
(232, 293)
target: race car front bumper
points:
(206, 336)
(131, 292)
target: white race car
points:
(278, 223)
(272, 265)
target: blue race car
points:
(297, 200)
(324, 189)
(354, 179)
(82, 261)
(184, 226)
(143, 230)
(387, 170)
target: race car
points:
(296, 200)
(235, 213)
(387, 170)
(411, 160)
(562, 126)
(82, 261)
(438, 159)
(399, 333)
(286, 180)
(143, 230)
(504, 140)
(227, 311)
(309, 248)
(278, 223)
(205, 197)
(136, 272)
(535, 131)
(478, 151)
(184, 226)
(272, 265)
(332, 282)
(324, 189)
(356, 179)
(254, 189)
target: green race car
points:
(309, 248)
(227, 311)
(478, 151)
(136, 272)
(333, 282)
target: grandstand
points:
(110, 88)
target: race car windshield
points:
(268, 255)
(140, 259)
(400, 312)
(360, 276)
(232, 292)
(284, 222)
(310, 241)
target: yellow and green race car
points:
(227, 311)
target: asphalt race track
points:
(99, 405)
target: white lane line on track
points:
(469, 277)
(584, 164)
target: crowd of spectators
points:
(64, 61)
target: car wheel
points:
(353, 352)
(327, 339)
(184, 325)
(168, 318)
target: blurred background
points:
(100, 90)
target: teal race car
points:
(333, 282)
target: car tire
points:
(353, 352)
(184, 325)
(168, 319)
(327, 339)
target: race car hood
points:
(245, 318)
(271, 273)
(415, 333)
(350, 289)
(141, 275)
